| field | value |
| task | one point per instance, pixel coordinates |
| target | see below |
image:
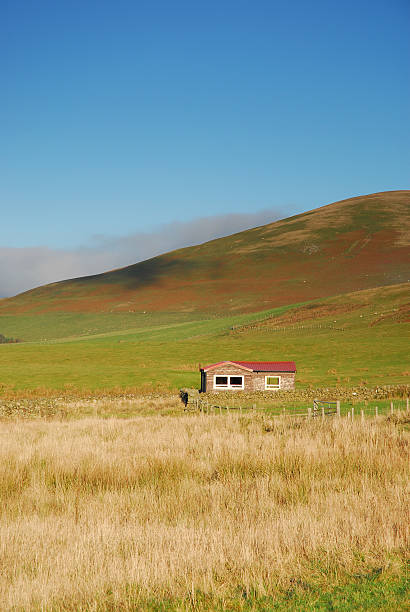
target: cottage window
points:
(272, 382)
(228, 382)
(221, 381)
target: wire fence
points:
(320, 409)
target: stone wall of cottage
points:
(287, 380)
(253, 381)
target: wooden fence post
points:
(338, 408)
(323, 413)
(376, 412)
(309, 412)
(352, 413)
(391, 408)
(362, 414)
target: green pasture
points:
(162, 351)
(52, 326)
(69, 326)
(364, 592)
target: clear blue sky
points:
(120, 115)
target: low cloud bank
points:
(25, 268)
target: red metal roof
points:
(259, 366)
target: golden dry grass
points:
(163, 507)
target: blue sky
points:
(118, 117)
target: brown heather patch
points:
(315, 311)
(400, 315)
(178, 505)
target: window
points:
(220, 381)
(228, 382)
(272, 382)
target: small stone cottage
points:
(248, 376)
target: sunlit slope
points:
(351, 245)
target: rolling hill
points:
(351, 245)
(328, 289)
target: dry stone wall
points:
(324, 393)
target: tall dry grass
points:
(159, 507)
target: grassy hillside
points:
(360, 338)
(351, 245)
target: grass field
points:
(349, 340)
(193, 513)
(112, 498)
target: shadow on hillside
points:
(140, 274)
